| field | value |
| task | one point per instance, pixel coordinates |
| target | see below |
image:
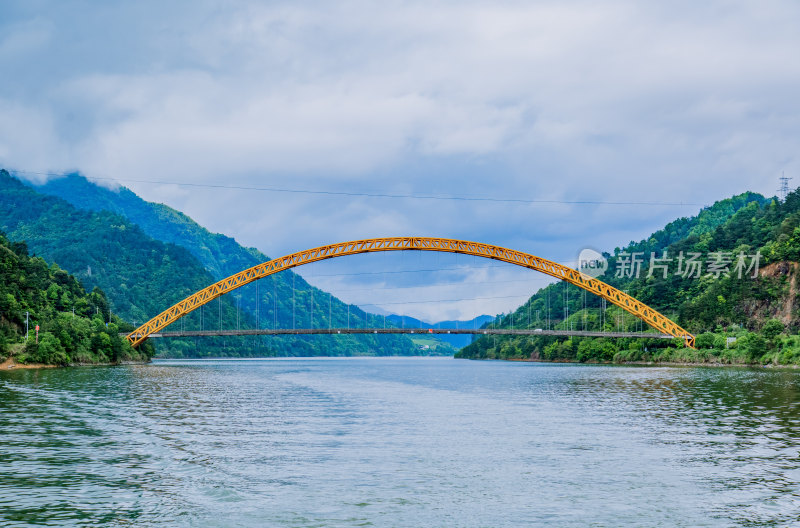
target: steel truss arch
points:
(447, 245)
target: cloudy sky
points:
(665, 106)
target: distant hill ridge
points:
(735, 319)
(91, 232)
(458, 341)
(221, 255)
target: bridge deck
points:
(334, 331)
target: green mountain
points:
(736, 317)
(454, 340)
(142, 276)
(221, 255)
(74, 326)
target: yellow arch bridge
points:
(665, 326)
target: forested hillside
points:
(143, 276)
(75, 326)
(221, 255)
(729, 275)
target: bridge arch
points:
(447, 245)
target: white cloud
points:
(618, 101)
(28, 140)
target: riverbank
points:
(654, 363)
(9, 364)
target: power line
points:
(439, 284)
(460, 268)
(445, 300)
(375, 194)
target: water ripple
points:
(399, 442)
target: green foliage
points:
(714, 308)
(772, 329)
(50, 350)
(752, 345)
(598, 350)
(705, 340)
(48, 294)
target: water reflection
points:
(738, 429)
(399, 442)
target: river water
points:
(398, 442)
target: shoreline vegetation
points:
(772, 346)
(639, 363)
(652, 363)
(745, 317)
(11, 364)
(48, 318)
